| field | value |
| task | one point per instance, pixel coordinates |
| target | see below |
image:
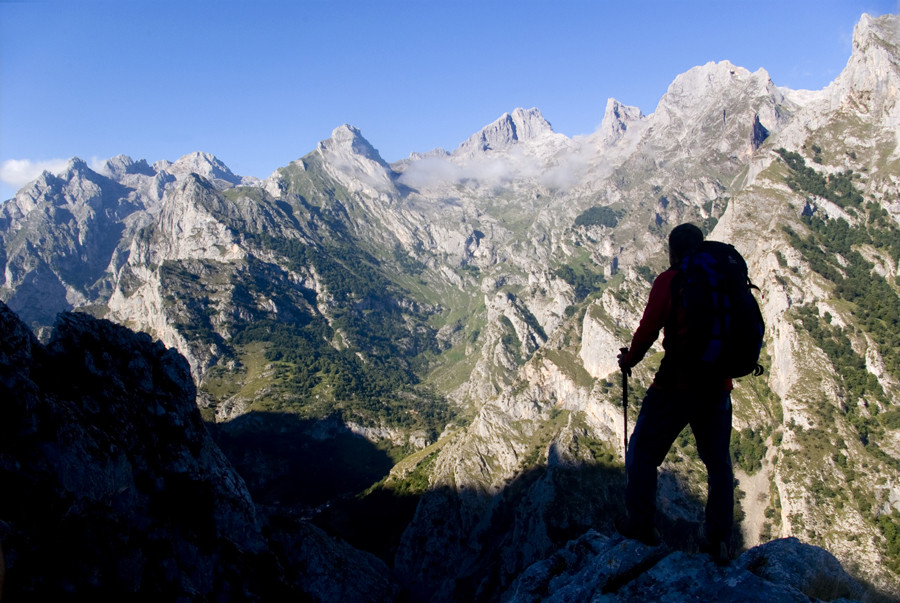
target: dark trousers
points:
(664, 413)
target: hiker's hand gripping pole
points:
(625, 372)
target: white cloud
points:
(19, 172)
(562, 171)
(99, 165)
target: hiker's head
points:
(683, 239)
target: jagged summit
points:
(74, 166)
(203, 164)
(122, 165)
(873, 70)
(510, 128)
(706, 84)
(353, 161)
(347, 140)
(616, 120)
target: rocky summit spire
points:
(203, 164)
(617, 119)
(872, 75)
(508, 129)
(354, 162)
(347, 140)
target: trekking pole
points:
(625, 402)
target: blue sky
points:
(259, 83)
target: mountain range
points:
(420, 356)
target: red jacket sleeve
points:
(654, 319)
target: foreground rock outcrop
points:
(112, 486)
(598, 568)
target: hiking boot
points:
(644, 533)
(719, 550)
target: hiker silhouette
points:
(682, 393)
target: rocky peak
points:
(616, 120)
(713, 109)
(510, 128)
(75, 166)
(348, 140)
(202, 164)
(122, 165)
(714, 82)
(77, 185)
(881, 31)
(354, 162)
(27, 198)
(873, 72)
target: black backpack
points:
(725, 327)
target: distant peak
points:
(699, 84)
(347, 135)
(122, 165)
(200, 158)
(874, 29)
(204, 164)
(77, 168)
(347, 139)
(76, 164)
(508, 129)
(873, 64)
(616, 120)
(530, 123)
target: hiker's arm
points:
(654, 319)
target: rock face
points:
(520, 125)
(595, 567)
(112, 485)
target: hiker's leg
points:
(660, 421)
(711, 424)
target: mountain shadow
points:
(469, 545)
(461, 544)
(299, 464)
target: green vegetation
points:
(832, 250)
(598, 216)
(837, 188)
(318, 379)
(584, 278)
(191, 307)
(414, 483)
(889, 524)
(362, 361)
(858, 383)
(406, 262)
(307, 179)
(646, 273)
(748, 449)
(874, 301)
(841, 251)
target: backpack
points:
(725, 327)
